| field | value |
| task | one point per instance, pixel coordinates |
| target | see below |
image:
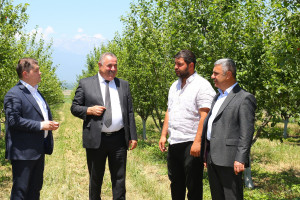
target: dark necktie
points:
(108, 117)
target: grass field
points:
(275, 168)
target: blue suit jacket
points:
(24, 139)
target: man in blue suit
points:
(29, 128)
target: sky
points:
(75, 26)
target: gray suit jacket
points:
(89, 94)
(232, 129)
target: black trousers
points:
(185, 171)
(114, 148)
(224, 184)
(27, 179)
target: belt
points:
(112, 133)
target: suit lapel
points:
(228, 99)
(120, 92)
(30, 98)
(96, 84)
(214, 101)
(48, 107)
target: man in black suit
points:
(104, 103)
(29, 128)
(228, 128)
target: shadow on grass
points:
(293, 140)
(2, 151)
(268, 185)
(276, 133)
(4, 167)
(150, 147)
(278, 185)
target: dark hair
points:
(25, 64)
(187, 55)
(227, 65)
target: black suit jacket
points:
(89, 94)
(24, 139)
(232, 129)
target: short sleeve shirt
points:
(184, 105)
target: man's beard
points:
(184, 74)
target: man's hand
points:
(49, 125)
(132, 144)
(196, 146)
(238, 167)
(164, 133)
(162, 143)
(95, 110)
(195, 149)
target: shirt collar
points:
(29, 87)
(102, 80)
(228, 90)
(190, 79)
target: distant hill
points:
(69, 86)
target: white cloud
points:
(80, 44)
(99, 36)
(43, 33)
(88, 38)
(80, 37)
(49, 30)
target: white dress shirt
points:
(215, 109)
(117, 119)
(184, 105)
(40, 101)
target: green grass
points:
(5, 172)
(275, 167)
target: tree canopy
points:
(16, 44)
(261, 36)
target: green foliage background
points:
(15, 44)
(263, 37)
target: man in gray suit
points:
(228, 129)
(104, 103)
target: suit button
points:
(101, 123)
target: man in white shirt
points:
(104, 103)
(189, 102)
(29, 128)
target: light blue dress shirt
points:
(216, 108)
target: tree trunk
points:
(158, 125)
(260, 128)
(247, 176)
(144, 129)
(286, 121)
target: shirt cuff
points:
(41, 125)
(205, 105)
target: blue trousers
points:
(27, 179)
